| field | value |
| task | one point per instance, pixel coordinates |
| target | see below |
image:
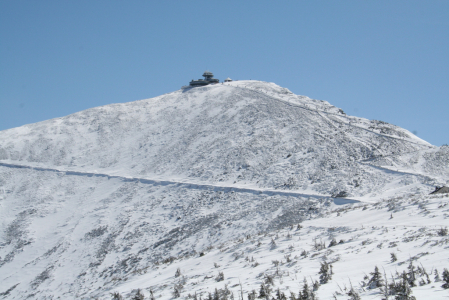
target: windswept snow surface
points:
(118, 197)
(242, 133)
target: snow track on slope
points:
(192, 185)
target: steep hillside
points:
(242, 133)
(118, 197)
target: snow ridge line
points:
(328, 113)
(191, 185)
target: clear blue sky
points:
(383, 60)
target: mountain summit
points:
(104, 194)
(243, 133)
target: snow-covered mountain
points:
(115, 198)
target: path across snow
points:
(186, 184)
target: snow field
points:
(369, 236)
(120, 197)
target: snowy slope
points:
(96, 201)
(366, 237)
(243, 133)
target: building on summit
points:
(208, 79)
(228, 80)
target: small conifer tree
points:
(262, 291)
(176, 292)
(403, 290)
(325, 272)
(292, 296)
(393, 257)
(332, 243)
(353, 294)
(220, 277)
(305, 293)
(376, 279)
(437, 276)
(315, 286)
(411, 274)
(445, 279)
(216, 295)
(178, 272)
(116, 296)
(138, 295)
(252, 295)
(280, 295)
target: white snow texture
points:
(216, 179)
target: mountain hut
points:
(208, 79)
